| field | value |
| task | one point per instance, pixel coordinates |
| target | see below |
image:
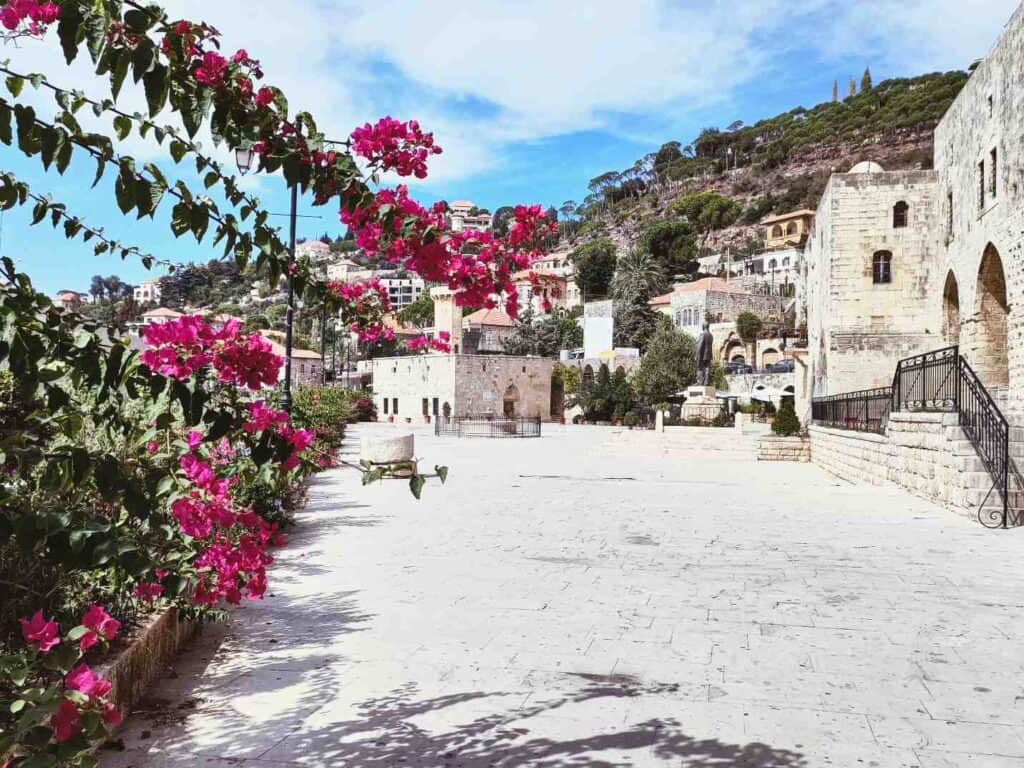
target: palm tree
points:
(97, 288)
(638, 277)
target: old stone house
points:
(903, 262)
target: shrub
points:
(630, 419)
(324, 411)
(364, 409)
(748, 326)
(786, 422)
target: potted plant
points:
(630, 419)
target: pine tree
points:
(865, 81)
(853, 88)
(835, 90)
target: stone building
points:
(869, 264)
(716, 301)
(907, 261)
(787, 229)
(418, 386)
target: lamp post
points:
(243, 159)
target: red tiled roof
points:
(704, 284)
(493, 317)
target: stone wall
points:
(724, 306)
(924, 453)
(774, 448)
(483, 383)
(744, 385)
(979, 281)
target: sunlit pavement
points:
(598, 597)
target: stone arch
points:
(992, 311)
(510, 400)
(769, 356)
(900, 214)
(588, 372)
(620, 371)
(951, 309)
(791, 228)
(733, 349)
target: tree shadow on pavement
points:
(384, 735)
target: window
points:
(385, 406)
(394, 405)
(791, 228)
(881, 267)
(426, 406)
(991, 105)
(785, 262)
(994, 162)
(435, 406)
(776, 231)
(949, 213)
(981, 185)
(899, 215)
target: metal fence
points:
(928, 382)
(488, 426)
(864, 411)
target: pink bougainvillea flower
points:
(213, 70)
(152, 446)
(194, 439)
(39, 630)
(98, 622)
(83, 679)
(65, 721)
(111, 715)
(264, 97)
(147, 591)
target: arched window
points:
(899, 215)
(785, 262)
(772, 264)
(881, 267)
(776, 231)
(680, 319)
(791, 228)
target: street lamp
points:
(243, 159)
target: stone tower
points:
(447, 316)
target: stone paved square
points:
(601, 597)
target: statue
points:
(704, 353)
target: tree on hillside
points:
(835, 90)
(865, 81)
(673, 243)
(420, 313)
(97, 288)
(568, 210)
(499, 221)
(595, 267)
(668, 367)
(852, 87)
(635, 324)
(665, 156)
(707, 212)
(638, 277)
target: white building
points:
(461, 217)
(403, 291)
(148, 292)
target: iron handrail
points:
(866, 410)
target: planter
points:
(408, 419)
(394, 453)
(426, 419)
(391, 419)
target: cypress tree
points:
(865, 81)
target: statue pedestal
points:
(701, 403)
(698, 395)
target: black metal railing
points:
(940, 381)
(927, 382)
(863, 411)
(488, 426)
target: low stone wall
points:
(142, 662)
(924, 453)
(774, 448)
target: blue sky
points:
(529, 100)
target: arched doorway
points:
(951, 310)
(991, 358)
(769, 356)
(733, 349)
(588, 373)
(510, 400)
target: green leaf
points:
(14, 85)
(210, 179)
(181, 219)
(178, 149)
(156, 86)
(122, 127)
(120, 72)
(42, 760)
(17, 705)
(442, 472)
(77, 633)
(416, 483)
(124, 191)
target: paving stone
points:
(533, 612)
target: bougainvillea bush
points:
(134, 479)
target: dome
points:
(867, 166)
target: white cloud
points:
(485, 76)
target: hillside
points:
(779, 164)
